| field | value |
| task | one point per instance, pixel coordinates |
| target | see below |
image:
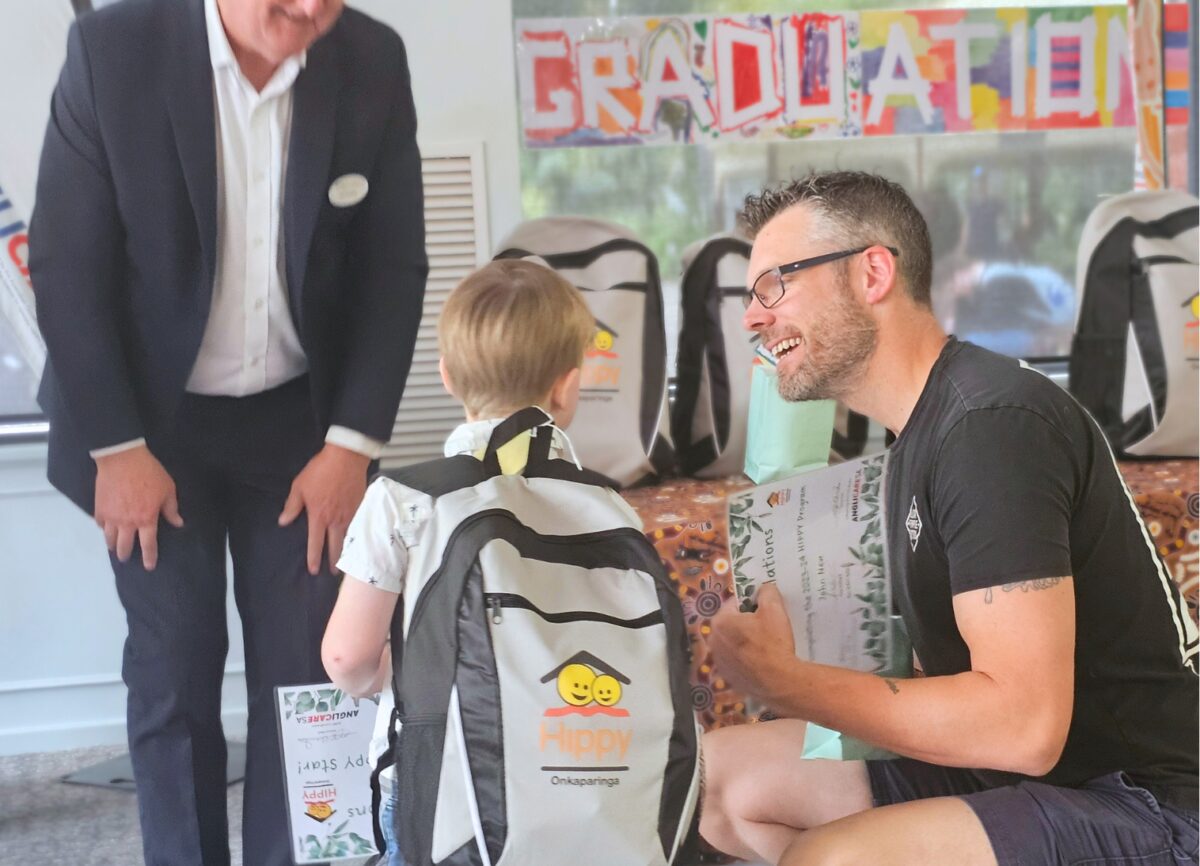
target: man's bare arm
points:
(1011, 711)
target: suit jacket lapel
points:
(190, 106)
(314, 112)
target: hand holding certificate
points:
(819, 538)
(754, 649)
(325, 735)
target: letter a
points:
(886, 84)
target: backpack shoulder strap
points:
(701, 338)
(578, 258)
(441, 476)
(565, 470)
(513, 253)
(539, 463)
(510, 428)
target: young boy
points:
(512, 335)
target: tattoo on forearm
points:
(1024, 586)
(891, 684)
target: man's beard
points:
(837, 347)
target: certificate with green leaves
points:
(820, 537)
(325, 735)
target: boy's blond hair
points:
(508, 332)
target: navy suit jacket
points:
(123, 236)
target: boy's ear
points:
(446, 383)
(566, 388)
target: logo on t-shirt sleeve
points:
(913, 524)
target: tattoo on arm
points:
(1024, 586)
(891, 684)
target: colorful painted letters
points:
(643, 80)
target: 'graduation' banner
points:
(696, 78)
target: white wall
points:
(33, 44)
(61, 626)
(463, 82)
(460, 54)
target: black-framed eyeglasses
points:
(769, 286)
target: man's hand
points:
(330, 489)
(132, 490)
(751, 650)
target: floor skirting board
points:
(71, 713)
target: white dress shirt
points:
(250, 343)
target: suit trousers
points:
(233, 461)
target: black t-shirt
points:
(1000, 476)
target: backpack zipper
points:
(497, 601)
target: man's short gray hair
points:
(854, 209)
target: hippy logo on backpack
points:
(601, 364)
(586, 686)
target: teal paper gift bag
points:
(784, 438)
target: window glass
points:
(1005, 209)
(20, 345)
(18, 381)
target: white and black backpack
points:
(621, 423)
(541, 673)
(714, 359)
(1134, 355)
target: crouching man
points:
(1057, 721)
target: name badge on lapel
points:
(348, 190)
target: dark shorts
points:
(1106, 820)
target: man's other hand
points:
(330, 489)
(750, 649)
(132, 490)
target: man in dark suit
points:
(228, 256)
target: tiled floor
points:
(43, 820)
